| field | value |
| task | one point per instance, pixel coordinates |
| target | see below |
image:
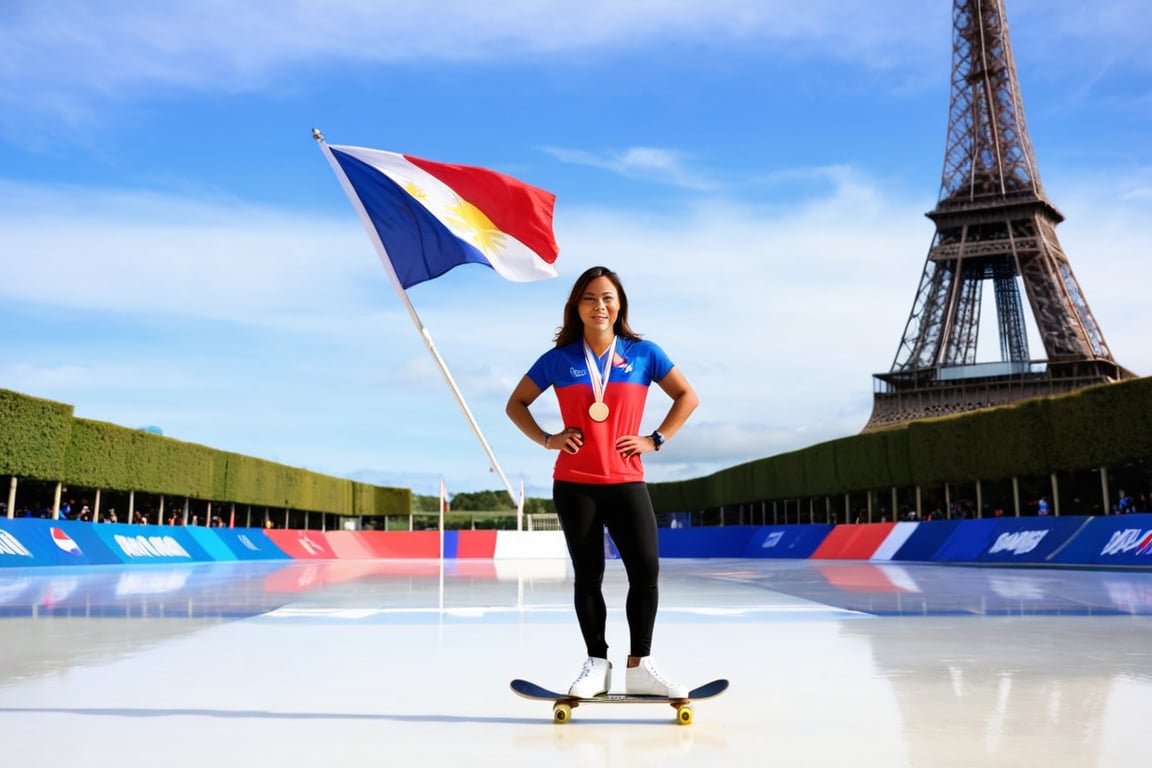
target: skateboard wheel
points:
(684, 715)
(561, 713)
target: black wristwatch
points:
(657, 440)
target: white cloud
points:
(760, 307)
(778, 314)
(140, 253)
(652, 164)
(67, 59)
(66, 66)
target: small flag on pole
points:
(431, 217)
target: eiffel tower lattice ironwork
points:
(993, 223)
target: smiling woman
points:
(601, 370)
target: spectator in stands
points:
(1042, 506)
(601, 370)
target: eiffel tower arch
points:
(994, 225)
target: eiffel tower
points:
(993, 223)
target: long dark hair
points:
(573, 328)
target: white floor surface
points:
(408, 663)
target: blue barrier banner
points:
(1114, 540)
(729, 541)
(34, 541)
(1030, 539)
(1008, 539)
(211, 543)
(926, 540)
(249, 544)
(968, 541)
(786, 541)
(151, 543)
(84, 536)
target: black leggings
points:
(626, 510)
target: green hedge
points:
(379, 500)
(1106, 425)
(102, 455)
(34, 435)
(42, 440)
(249, 480)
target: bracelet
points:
(547, 437)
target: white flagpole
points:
(443, 509)
(382, 252)
(520, 508)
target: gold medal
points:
(598, 411)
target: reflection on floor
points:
(305, 663)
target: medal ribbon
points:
(599, 380)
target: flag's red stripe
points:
(518, 209)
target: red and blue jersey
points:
(635, 366)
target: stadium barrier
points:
(1115, 541)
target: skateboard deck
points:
(564, 703)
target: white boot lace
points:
(655, 675)
(586, 670)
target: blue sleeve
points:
(660, 363)
(541, 371)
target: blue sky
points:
(176, 251)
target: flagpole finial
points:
(317, 135)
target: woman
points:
(601, 370)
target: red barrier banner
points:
(476, 544)
(302, 545)
(350, 545)
(403, 544)
(853, 542)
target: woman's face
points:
(599, 306)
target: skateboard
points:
(563, 703)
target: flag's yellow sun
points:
(482, 232)
(414, 190)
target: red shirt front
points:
(635, 366)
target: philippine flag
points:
(431, 217)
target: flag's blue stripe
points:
(418, 244)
